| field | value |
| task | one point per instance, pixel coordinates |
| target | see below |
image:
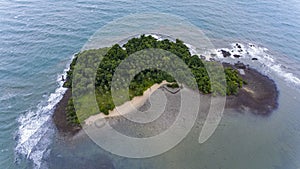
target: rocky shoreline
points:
(259, 96)
(60, 118)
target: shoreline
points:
(259, 96)
(126, 107)
(59, 116)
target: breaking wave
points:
(36, 128)
(252, 53)
(246, 53)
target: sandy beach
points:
(259, 95)
(128, 106)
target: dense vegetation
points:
(143, 80)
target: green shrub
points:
(145, 79)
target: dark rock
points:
(240, 65)
(60, 116)
(254, 59)
(237, 56)
(238, 46)
(202, 57)
(259, 95)
(225, 53)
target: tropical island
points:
(247, 90)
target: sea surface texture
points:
(39, 38)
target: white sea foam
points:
(36, 128)
(192, 49)
(251, 51)
(248, 52)
(34, 134)
(156, 36)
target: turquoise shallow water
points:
(38, 39)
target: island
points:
(247, 90)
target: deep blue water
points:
(38, 39)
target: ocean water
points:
(39, 38)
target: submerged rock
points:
(240, 65)
(251, 45)
(202, 57)
(213, 55)
(225, 53)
